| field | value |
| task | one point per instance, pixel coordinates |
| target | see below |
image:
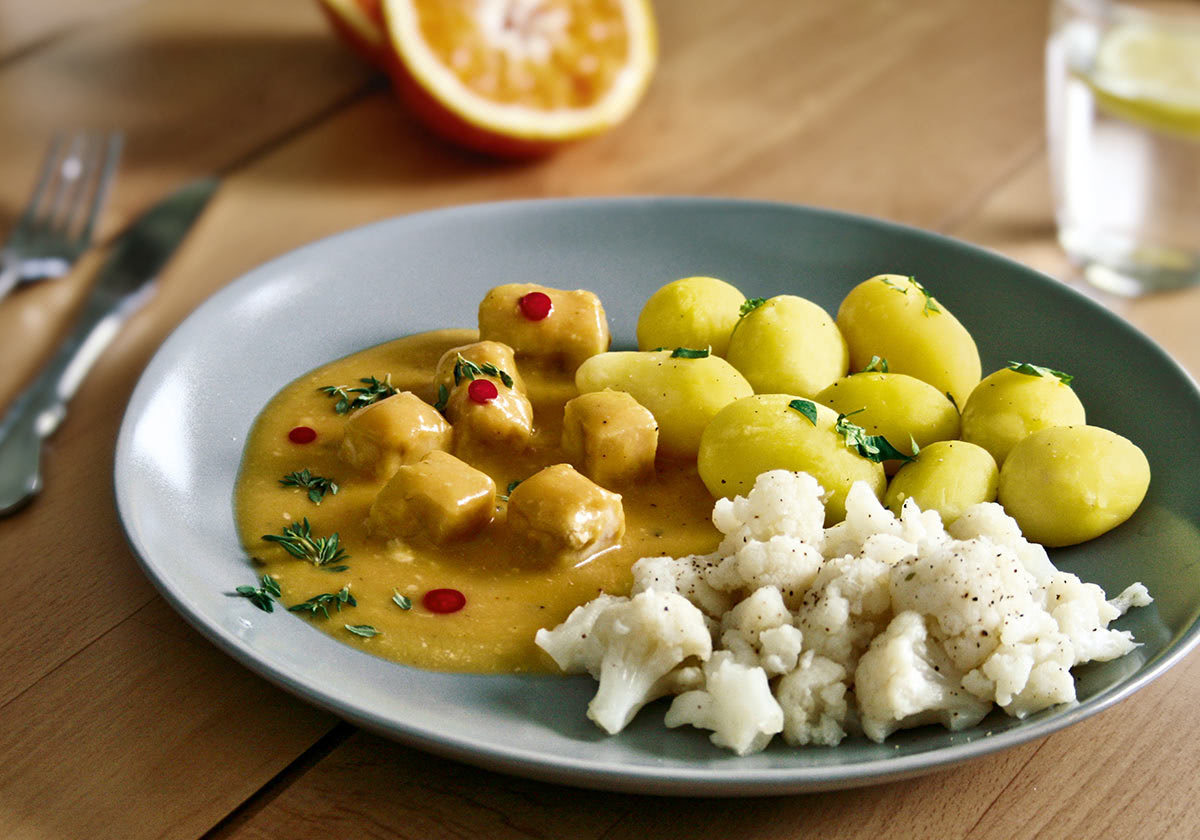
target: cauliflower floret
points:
(759, 631)
(905, 679)
(865, 517)
(735, 703)
(1082, 613)
(970, 589)
(1134, 595)
(815, 700)
(781, 503)
(1030, 671)
(989, 519)
(846, 607)
(686, 576)
(784, 562)
(922, 528)
(641, 641)
(572, 645)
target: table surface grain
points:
(117, 720)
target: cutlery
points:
(56, 225)
(124, 284)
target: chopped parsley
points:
(1038, 370)
(689, 353)
(806, 407)
(872, 447)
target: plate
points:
(182, 437)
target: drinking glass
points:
(1123, 123)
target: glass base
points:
(1122, 267)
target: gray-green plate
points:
(182, 437)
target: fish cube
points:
(486, 355)
(439, 498)
(564, 515)
(610, 437)
(397, 430)
(572, 329)
(502, 420)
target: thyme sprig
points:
(350, 397)
(316, 485)
(298, 541)
(321, 603)
(262, 596)
(400, 600)
(875, 448)
(1037, 370)
(466, 369)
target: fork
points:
(57, 223)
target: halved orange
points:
(519, 78)
(359, 23)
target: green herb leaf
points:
(321, 603)
(689, 353)
(364, 630)
(806, 407)
(298, 541)
(930, 304)
(316, 485)
(1038, 370)
(872, 447)
(877, 363)
(443, 398)
(512, 485)
(749, 306)
(401, 601)
(262, 597)
(271, 586)
(349, 398)
(340, 568)
(953, 401)
(466, 369)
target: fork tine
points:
(67, 171)
(111, 152)
(45, 176)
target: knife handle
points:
(40, 408)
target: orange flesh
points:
(565, 54)
(509, 594)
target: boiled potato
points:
(947, 476)
(1068, 484)
(682, 393)
(762, 432)
(1008, 406)
(788, 345)
(694, 312)
(894, 318)
(899, 407)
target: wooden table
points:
(117, 720)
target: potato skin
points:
(890, 316)
(1007, 406)
(694, 312)
(1068, 484)
(682, 394)
(788, 345)
(761, 433)
(894, 405)
(947, 476)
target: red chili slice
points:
(443, 600)
(302, 434)
(482, 391)
(536, 305)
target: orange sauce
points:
(510, 593)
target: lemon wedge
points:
(1150, 75)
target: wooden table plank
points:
(143, 734)
(25, 26)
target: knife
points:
(124, 284)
